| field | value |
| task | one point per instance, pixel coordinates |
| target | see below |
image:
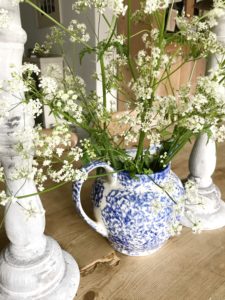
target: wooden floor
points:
(190, 267)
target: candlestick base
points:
(52, 276)
(211, 213)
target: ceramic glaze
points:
(135, 214)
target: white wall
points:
(35, 34)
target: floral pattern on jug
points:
(135, 214)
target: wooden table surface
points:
(189, 266)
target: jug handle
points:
(77, 185)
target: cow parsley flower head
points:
(152, 6)
(5, 199)
(48, 85)
(117, 6)
(219, 4)
(78, 32)
(2, 177)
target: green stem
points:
(112, 31)
(103, 81)
(140, 146)
(139, 32)
(179, 145)
(162, 28)
(54, 21)
(129, 39)
(172, 72)
(43, 192)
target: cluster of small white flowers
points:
(88, 149)
(152, 6)
(75, 153)
(214, 14)
(149, 67)
(4, 18)
(5, 199)
(67, 173)
(163, 158)
(24, 172)
(34, 107)
(47, 145)
(175, 228)
(192, 195)
(80, 5)
(141, 88)
(195, 123)
(26, 139)
(100, 5)
(146, 41)
(78, 32)
(49, 85)
(31, 68)
(197, 226)
(16, 85)
(154, 137)
(40, 178)
(113, 63)
(2, 176)
(198, 33)
(120, 38)
(66, 102)
(155, 119)
(155, 34)
(198, 111)
(219, 4)
(117, 6)
(219, 134)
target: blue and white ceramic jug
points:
(135, 214)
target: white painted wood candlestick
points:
(202, 164)
(33, 266)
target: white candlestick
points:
(202, 164)
(33, 266)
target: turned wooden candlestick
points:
(33, 266)
(202, 164)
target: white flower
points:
(5, 199)
(49, 85)
(152, 6)
(219, 4)
(78, 32)
(2, 176)
(176, 228)
(220, 134)
(196, 226)
(31, 68)
(59, 151)
(34, 107)
(117, 6)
